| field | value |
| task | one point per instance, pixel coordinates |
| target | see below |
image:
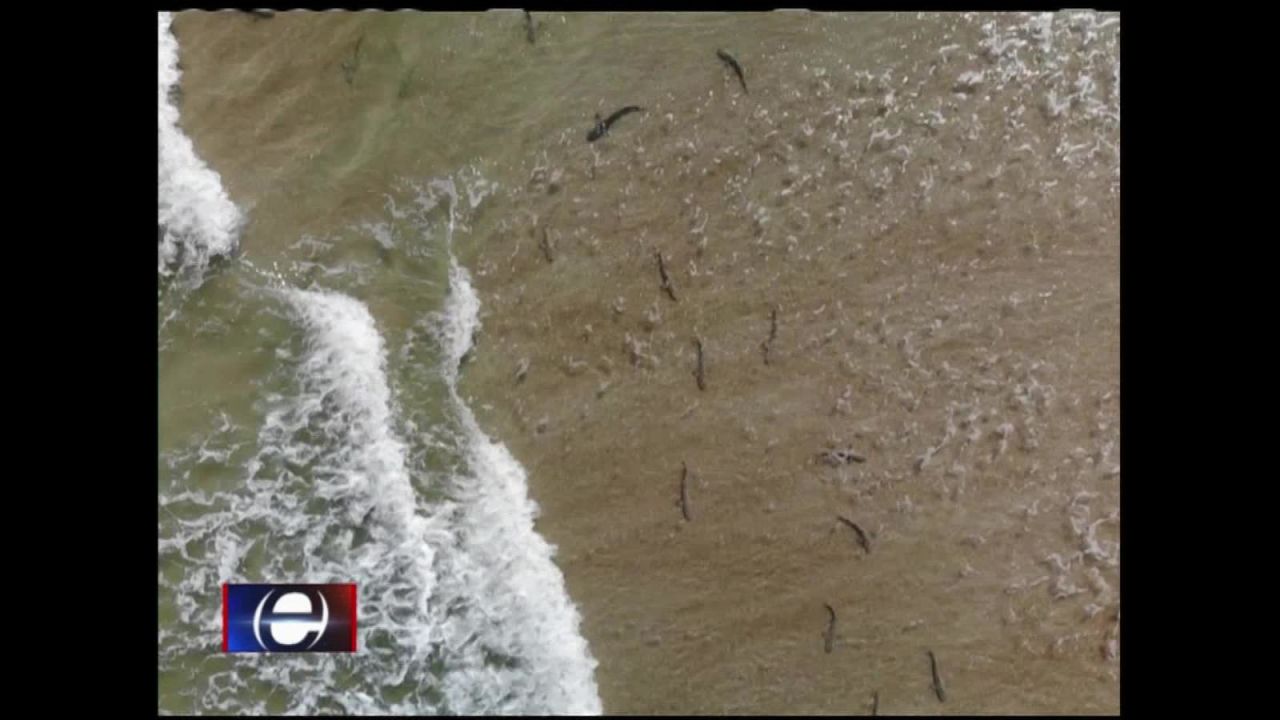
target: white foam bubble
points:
(509, 565)
(327, 498)
(462, 610)
(514, 570)
(199, 221)
(346, 362)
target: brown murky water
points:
(931, 205)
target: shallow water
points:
(930, 201)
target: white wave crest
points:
(197, 220)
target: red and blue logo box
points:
(289, 618)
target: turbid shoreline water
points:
(929, 204)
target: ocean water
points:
(334, 448)
(337, 191)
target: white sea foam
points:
(508, 566)
(198, 221)
(462, 609)
(331, 467)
